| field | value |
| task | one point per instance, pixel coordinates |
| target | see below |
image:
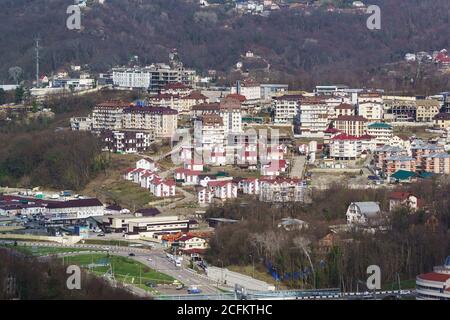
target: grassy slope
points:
(125, 269)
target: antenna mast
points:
(37, 39)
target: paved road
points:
(298, 166)
(155, 259)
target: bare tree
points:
(15, 73)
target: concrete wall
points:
(27, 237)
(230, 278)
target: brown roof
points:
(114, 104)
(344, 106)
(350, 118)
(195, 95)
(150, 109)
(211, 120)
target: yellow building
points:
(426, 110)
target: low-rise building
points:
(398, 199)
(361, 213)
(434, 285)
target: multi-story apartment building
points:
(229, 109)
(437, 163)
(345, 147)
(153, 77)
(286, 108)
(351, 125)
(108, 115)
(281, 190)
(211, 128)
(81, 123)
(402, 109)
(442, 120)
(126, 141)
(394, 163)
(426, 110)
(249, 89)
(381, 131)
(344, 109)
(370, 106)
(182, 104)
(313, 117)
(162, 121)
(386, 151)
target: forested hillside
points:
(302, 49)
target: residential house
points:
(362, 213)
(403, 199)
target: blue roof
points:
(403, 175)
(380, 125)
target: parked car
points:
(180, 287)
(101, 235)
(131, 254)
(194, 290)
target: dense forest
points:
(413, 244)
(44, 152)
(301, 48)
(46, 280)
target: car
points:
(149, 259)
(131, 254)
(101, 235)
(150, 284)
(194, 290)
(180, 287)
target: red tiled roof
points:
(239, 97)
(332, 130)
(399, 195)
(433, 276)
(344, 106)
(366, 137)
(344, 136)
(221, 183)
(350, 118)
(195, 95)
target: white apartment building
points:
(313, 117)
(370, 106)
(153, 77)
(81, 123)
(212, 131)
(345, 147)
(249, 89)
(286, 108)
(228, 109)
(382, 132)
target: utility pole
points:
(37, 39)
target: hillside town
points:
(174, 179)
